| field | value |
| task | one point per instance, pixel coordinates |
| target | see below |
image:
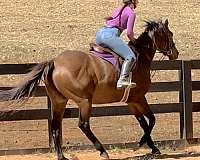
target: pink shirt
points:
(127, 20)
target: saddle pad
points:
(108, 57)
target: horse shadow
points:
(162, 156)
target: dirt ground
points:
(35, 31)
(189, 153)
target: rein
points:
(165, 53)
(153, 72)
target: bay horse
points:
(88, 79)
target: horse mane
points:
(150, 28)
(143, 41)
(152, 25)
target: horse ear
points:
(166, 22)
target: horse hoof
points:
(156, 151)
(104, 156)
(140, 144)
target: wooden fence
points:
(184, 86)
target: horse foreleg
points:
(150, 142)
(145, 127)
(85, 112)
(146, 138)
(152, 120)
(139, 109)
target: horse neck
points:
(145, 47)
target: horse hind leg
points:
(58, 104)
(56, 129)
(84, 116)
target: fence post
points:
(50, 116)
(187, 100)
(181, 113)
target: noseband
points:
(165, 52)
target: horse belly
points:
(106, 94)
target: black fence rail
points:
(184, 86)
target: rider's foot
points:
(125, 82)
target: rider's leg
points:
(110, 37)
(124, 80)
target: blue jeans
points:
(110, 37)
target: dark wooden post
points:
(49, 123)
(181, 113)
(187, 100)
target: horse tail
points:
(27, 87)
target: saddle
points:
(103, 50)
(107, 54)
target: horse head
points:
(157, 36)
(162, 38)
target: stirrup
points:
(126, 82)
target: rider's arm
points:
(130, 25)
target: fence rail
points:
(184, 86)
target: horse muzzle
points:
(172, 54)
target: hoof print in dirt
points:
(75, 158)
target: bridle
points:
(167, 52)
